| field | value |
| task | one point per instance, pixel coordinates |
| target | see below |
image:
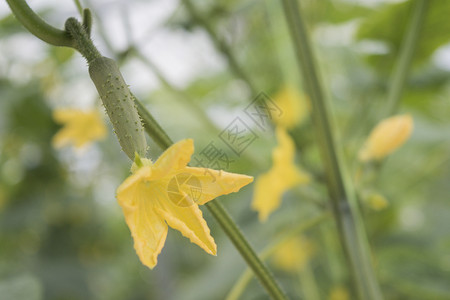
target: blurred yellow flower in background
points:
(293, 105)
(167, 193)
(386, 137)
(293, 254)
(270, 186)
(377, 202)
(80, 128)
(339, 293)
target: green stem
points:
(152, 127)
(87, 21)
(240, 285)
(308, 282)
(249, 255)
(332, 259)
(220, 45)
(79, 6)
(350, 227)
(401, 71)
(83, 42)
(39, 27)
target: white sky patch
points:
(372, 47)
(153, 14)
(336, 35)
(442, 57)
(183, 57)
(139, 77)
(374, 3)
(16, 59)
(82, 164)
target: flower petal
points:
(212, 184)
(284, 174)
(189, 221)
(149, 232)
(267, 195)
(147, 227)
(294, 107)
(65, 115)
(62, 138)
(283, 161)
(175, 157)
(284, 153)
(80, 127)
(132, 188)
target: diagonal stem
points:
(247, 252)
(79, 6)
(240, 285)
(152, 127)
(350, 227)
(401, 71)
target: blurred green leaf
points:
(388, 25)
(334, 12)
(422, 93)
(22, 287)
(9, 26)
(61, 54)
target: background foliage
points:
(62, 234)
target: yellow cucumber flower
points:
(377, 202)
(270, 186)
(339, 293)
(293, 254)
(386, 137)
(80, 127)
(293, 105)
(167, 193)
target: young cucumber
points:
(119, 104)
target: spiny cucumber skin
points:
(119, 105)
